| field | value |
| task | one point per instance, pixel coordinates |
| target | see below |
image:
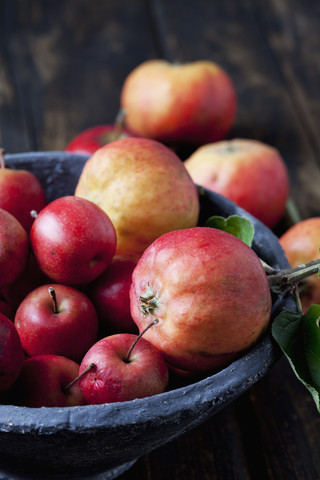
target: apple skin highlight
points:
(209, 292)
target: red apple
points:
(31, 278)
(20, 193)
(248, 172)
(112, 376)
(14, 250)
(90, 140)
(110, 296)
(43, 381)
(57, 319)
(6, 309)
(73, 240)
(11, 354)
(301, 245)
(209, 292)
(145, 189)
(192, 103)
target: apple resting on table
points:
(210, 295)
(20, 193)
(122, 367)
(192, 103)
(90, 140)
(73, 240)
(11, 354)
(248, 172)
(57, 319)
(144, 188)
(301, 245)
(43, 381)
(14, 250)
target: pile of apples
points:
(108, 293)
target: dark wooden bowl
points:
(102, 441)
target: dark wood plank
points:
(291, 29)
(213, 450)
(289, 424)
(14, 133)
(69, 60)
(241, 37)
(62, 65)
(229, 34)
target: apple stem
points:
(138, 338)
(291, 276)
(2, 162)
(52, 293)
(85, 371)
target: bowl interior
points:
(76, 441)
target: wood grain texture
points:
(62, 66)
(69, 60)
(237, 36)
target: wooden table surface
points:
(62, 65)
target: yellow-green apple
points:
(301, 245)
(91, 139)
(210, 295)
(122, 367)
(44, 382)
(248, 172)
(73, 240)
(20, 193)
(110, 296)
(11, 354)
(191, 103)
(145, 189)
(57, 319)
(14, 249)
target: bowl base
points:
(105, 475)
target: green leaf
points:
(299, 338)
(238, 226)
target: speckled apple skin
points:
(212, 297)
(193, 103)
(113, 379)
(248, 172)
(105, 440)
(73, 240)
(69, 332)
(143, 187)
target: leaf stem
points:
(292, 276)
